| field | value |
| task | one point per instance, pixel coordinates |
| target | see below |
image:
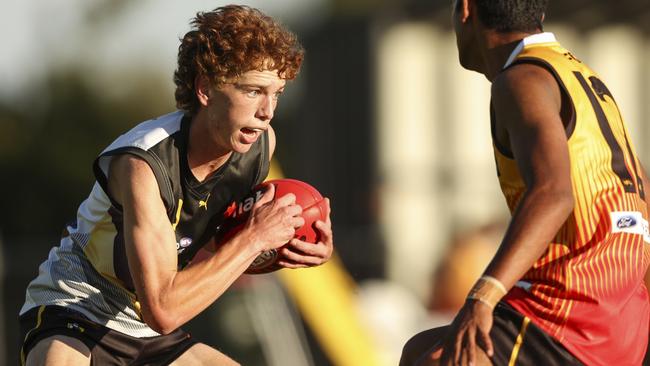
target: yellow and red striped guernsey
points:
(587, 290)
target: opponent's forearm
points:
(539, 216)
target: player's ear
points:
(463, 8)
(202, 89)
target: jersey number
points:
(618, 156)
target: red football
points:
(308, 197)
(311, 201)
(313, 209)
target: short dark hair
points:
(229, 41)
(511, 15)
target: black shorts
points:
(107, 346)
(517, 341)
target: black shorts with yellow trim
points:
(107, 346)
(518, 341)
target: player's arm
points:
(527, 101)
(168, 297)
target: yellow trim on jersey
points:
(519, 342)
(38, 324)
(178, 213)
(100, 254)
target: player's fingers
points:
(293, 210)
(311, 249)
(487, 343)
(287, 199)
(470, 346)
(300, 252)
(325, 229)
(301, 260)
(458, 347)
(291, 265)
(297, 221)
(328, 210)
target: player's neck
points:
(204, 156)
(498, 48)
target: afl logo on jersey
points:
(182, 244)
(236, 209)
(625, 222)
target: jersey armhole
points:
(568, 116)
(102, 163)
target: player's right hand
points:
(273, 221)
(469, 331)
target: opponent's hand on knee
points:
(470, 330)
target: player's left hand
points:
(301, 254)
(469, 331)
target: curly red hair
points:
(229, 41)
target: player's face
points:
(240, 111)
(465, 42)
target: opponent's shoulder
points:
(523, 86)
(523, 79)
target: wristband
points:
(487, 290)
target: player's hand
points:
(273, 222)
(300, 254)
(469, 330)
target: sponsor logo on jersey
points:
(236, 209)
(204, 203)
(182, 244)
(631, 222)
(76, 326)
(626, 221)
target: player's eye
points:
(253, 93)
(276, 96)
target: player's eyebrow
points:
(253, 84)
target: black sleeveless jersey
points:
(92, 251)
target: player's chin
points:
(241, 147)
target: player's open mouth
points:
(250, 134)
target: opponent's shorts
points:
(107, 346)
(517, 341)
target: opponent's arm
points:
(527, 101)
(168, 297)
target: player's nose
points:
(266, 108)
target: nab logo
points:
(625, 222)
(182, 244)
(237, 209)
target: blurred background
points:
(382, 119)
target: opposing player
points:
(122, 281)
(566, 285)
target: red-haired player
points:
(121, 283)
